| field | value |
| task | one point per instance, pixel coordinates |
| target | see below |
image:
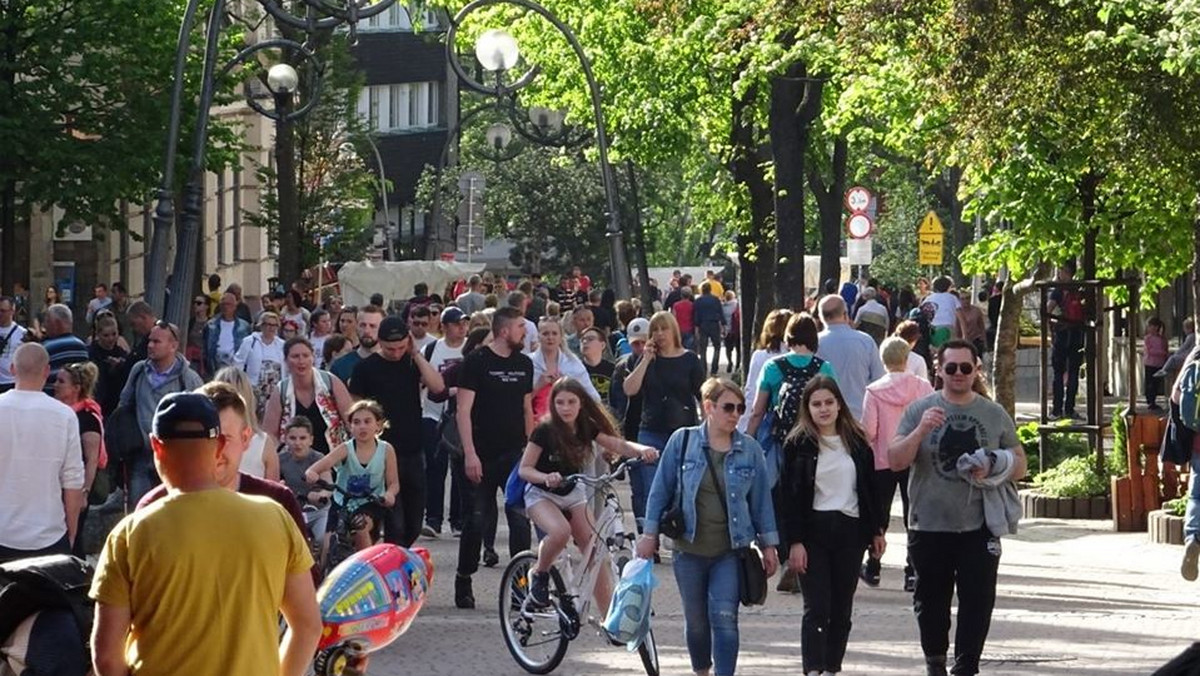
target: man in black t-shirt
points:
(393, 377)
(495, 418)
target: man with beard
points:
(495, 418)
(950, 542)
(369, 319)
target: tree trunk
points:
(748, 297)
(1008, 331)
(1196, 264)
(747, 158)
(789, 137)
(945, 188)
(829, 204)
(8, 236)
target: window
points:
(401, 107)
(434, 113)
(373, 107)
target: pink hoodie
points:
(883, 406)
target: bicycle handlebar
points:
(325, 485)
(616, 474)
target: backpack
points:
(1072, 307)
(58, 582)
(787, 408)
(1189, 403)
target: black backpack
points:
(787, 409)
(57, 582)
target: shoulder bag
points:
(752, 579)
(672, 524)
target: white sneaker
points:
(1191, 555)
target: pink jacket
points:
(883, 406)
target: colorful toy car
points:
(367, 602)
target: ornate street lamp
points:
(497, 52)
(282, 82)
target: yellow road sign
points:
(930, 241)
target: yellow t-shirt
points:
(717, 289)
(203, 575)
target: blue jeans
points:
(436, 465)
(141, 475)
(708, 588)
(641, 477)
(1191, 523)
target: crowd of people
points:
(392, 401)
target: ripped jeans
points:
(708, 587)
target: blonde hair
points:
(894, 352)
(83, 374)
(665, 320)
(714, 387)
(241, 382)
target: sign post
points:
(470, 211)
(930, 240)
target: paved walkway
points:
(1074, 598)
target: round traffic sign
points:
(859, 226)
(858, 199)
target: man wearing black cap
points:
(393, 377)
(193, 584)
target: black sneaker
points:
(539, 589)
(935, 666)
(490, 558)
(870, 572)
(464, 596)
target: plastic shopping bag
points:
(629, 613)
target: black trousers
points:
(1066, 358)
(482, 499)
(409, 512)
(709, 333)
(886, 482)
(1152, 386)
(947, 562)
(835, 548)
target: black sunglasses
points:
(164, 324)
(730, 407)
(953, 368)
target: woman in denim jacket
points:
(706, 566)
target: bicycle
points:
(339, 542)
(526, 626)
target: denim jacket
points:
(751, 516)
(212, 334)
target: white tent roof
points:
(395, 279)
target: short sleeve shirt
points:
(771, 379)
(500, 385)
(939, 499)
(552, 459)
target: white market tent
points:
(812, 272)
(395, 279)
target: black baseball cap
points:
(393, 329)
(453, 315)
(186, 415)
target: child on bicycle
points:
(561, 445)
(366, 471)
(294, 460)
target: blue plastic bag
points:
(514, 491)
(628, 617)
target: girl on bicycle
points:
(561, 445)
(366, 471)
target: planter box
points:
(1035, 505)
(1165, 528)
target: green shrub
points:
(1059, 446)
(1074, 477)
(1176, 507)
(1117, 462)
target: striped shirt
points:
(63, 350)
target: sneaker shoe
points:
(539, 589)
(935, 666)
(1191, 554)
(429, 531)
(1072, 415)
(490, 558)
(870, 572)
(464, 595)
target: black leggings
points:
(885, 482)
(945, 563)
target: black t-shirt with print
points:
(552, 459)
(602, 376)
(396, 385)
(500, 385)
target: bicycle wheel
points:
(533, 636)
(648, 651)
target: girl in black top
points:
(561, 445)
(829, 514)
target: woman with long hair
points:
(52, 297)
(669, 378)
(718, 476)
(73, 386)
(770, 345)
(320, 325)
(260, 458)
(347, 325)
(562, 445)
(551, 362)
(829, 514)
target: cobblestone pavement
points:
(1074, 598)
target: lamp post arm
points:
(383, 195)
(155, 277)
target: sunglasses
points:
(729, 407)
(164, 324)
(953, 368)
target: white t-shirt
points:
(443, 357)
(12, 336)
(947, 304)
(301, 319)
(836, 480)
(40, 457)
(225, 347)
(917, 366)
(252, 459)
(318, 343)
(423, 343)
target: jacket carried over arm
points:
(797, 485)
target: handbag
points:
(672, 524)
(752, 579)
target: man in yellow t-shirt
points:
(193, 583)
(718, 289)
